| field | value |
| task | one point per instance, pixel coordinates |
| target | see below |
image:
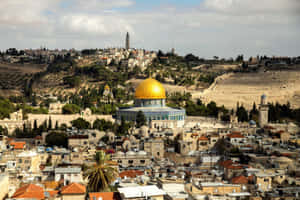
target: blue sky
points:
(203, 27)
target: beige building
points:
(4, 183)
(213, 188)
(28, 161)
(264, 181)
(155, 148)
(130, 158)
(141, 192)
(68, 175)
(56, 108)
(78, 141)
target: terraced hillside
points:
(279, 86)
(13, 77)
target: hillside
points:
(279, 86)
(13, 77)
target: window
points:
(119, 161)
(130, 161)
(20, 160)
(142, 161)
(157, 153)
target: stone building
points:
(68, 174)
(263, 111)
(132, 159)
(127, 41)
(28, 161)
(155, 147)
(150, 98)
(56, 108)
(78, 141)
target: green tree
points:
(102, 125)
(242, 114)
(56, 125)
(70, 109)
(140, 119)
(123, 128)
(50, 124)
(6, 107)
(72, 81)
(3, 131)
(35, 127)
(57, 139)
(100, 175)
(80, 123)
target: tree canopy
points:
(70, 109)
(57, 139)
(140, 119)
(80, 123)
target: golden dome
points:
(150, 89)
(106, 87)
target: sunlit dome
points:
(150, 89)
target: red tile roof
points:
(29, 191)
(104, 195)
(239, 180)
(73, 188)
(235, 135)
(38, 137)
(131, 173)
(226, 163)
(18, 145)
(203, 138)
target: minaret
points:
(127, 42)
(263, 111)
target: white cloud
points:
(91, 5)
(25, 12)
(214, 27)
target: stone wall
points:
(64, 119)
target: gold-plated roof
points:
(106, 87)
(150, 89)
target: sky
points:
(206, 28)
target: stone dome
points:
(150, 89)
(142, 153)
(120, 153)
(130, 153)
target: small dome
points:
(142, 153)
(150, 89)
(130, 153)
(283, 159)
(263, 96)
(120, 153)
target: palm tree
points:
(100, 175)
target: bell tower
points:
(127, 41)
(263, 111)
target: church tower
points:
(127, 42)
(263, 111)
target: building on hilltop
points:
(150, 98)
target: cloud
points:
(214, 27)
(25, 12)
(95, 24)
(92, 5)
